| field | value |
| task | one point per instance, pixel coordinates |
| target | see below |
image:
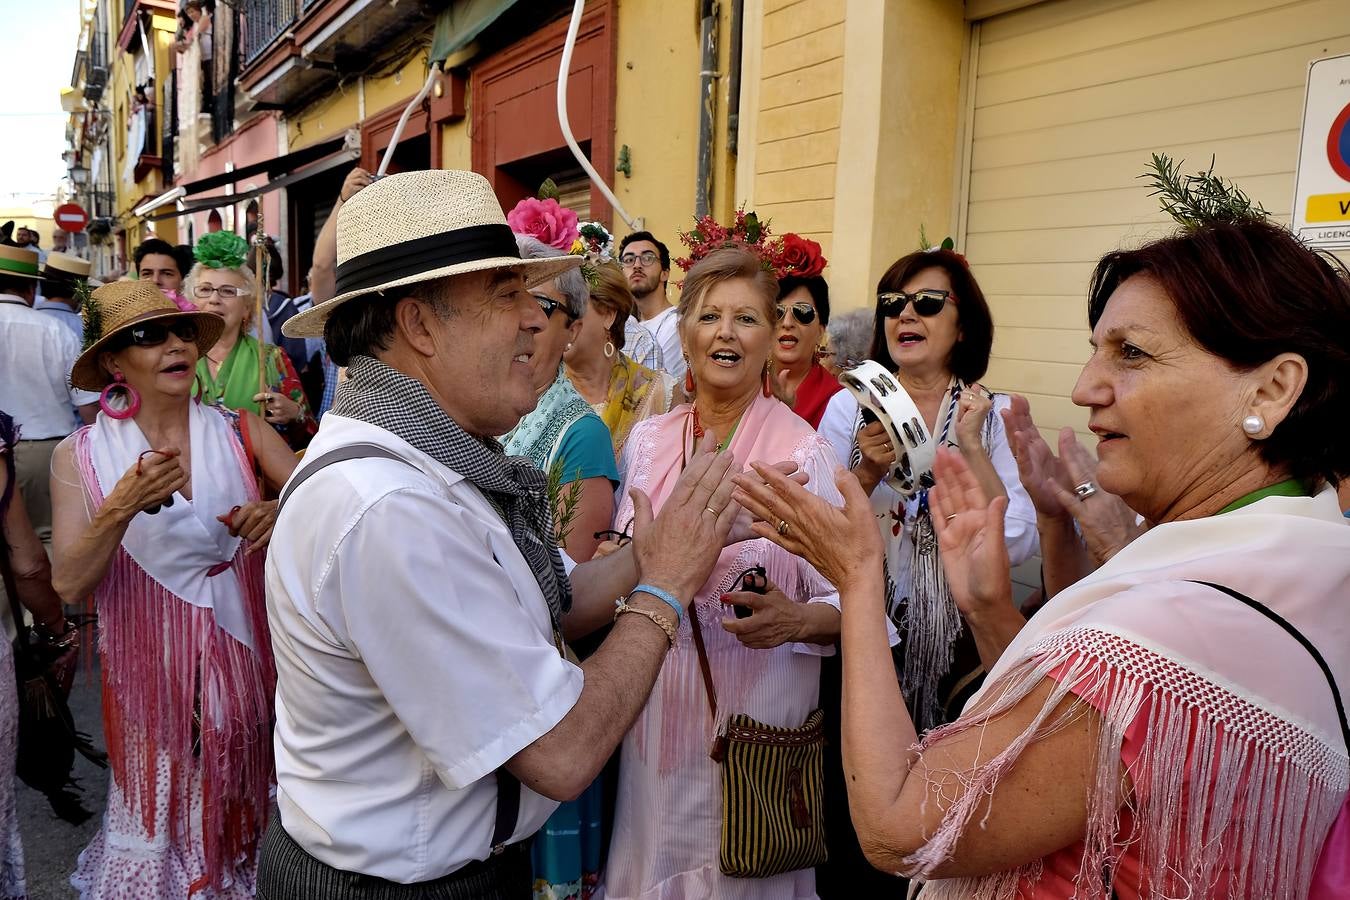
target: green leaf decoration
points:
(1194, 201)
(563, 503)
(93, 322)
(948, 244)
(924, 244)
(752, 228)
(549, 190)
(221, 250)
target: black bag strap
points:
(508, 786)
(1298, 636)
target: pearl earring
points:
(1253, 425)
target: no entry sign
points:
(1322, 185)
(70, 217)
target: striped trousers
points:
(287, 872)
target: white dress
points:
(11, 848)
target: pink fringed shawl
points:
(176, 686)
(1223, 724)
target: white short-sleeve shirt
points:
(36, 354)
(665, 330)
(415, 656)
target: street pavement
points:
(51, 845)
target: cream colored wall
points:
(898, 137)
(1071, 98)
(656, 114)
(791, 111)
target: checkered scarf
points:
(518, 491)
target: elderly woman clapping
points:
(1169, 725)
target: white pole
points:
(403, 119)
(566, 126)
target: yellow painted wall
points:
(118, 96)
(657, 115)
(797, 110)
(1071, 99)
(340, 110)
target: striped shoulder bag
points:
(772, 788)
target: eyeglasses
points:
(804, 313)
(226, 291)
(152, 334)
(550, 306)
(927, 302)
(646, 257)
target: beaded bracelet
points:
(664, 595)
(621, 606)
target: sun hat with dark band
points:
(16, 261)
(64, 267)
(420, 226)
(116, 307)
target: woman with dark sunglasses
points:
(563, 435)
(804, 304)
(158, 514)
(934, 331)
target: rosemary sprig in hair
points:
(1204, 198)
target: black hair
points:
(161, 248)
(651, 238)
(816, 286)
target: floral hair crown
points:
(746, 232)
(1204, 198)
(221, 250)
(595, 246)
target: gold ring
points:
(783, 527)
(710, 509)
(952, 516)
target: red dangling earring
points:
(768, 390)
(688, 383)
(133, 399)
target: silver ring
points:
(1085, 490)
(783, 527)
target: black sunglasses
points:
(550, 306)
(152, 334)
(804, 313)
(927, 302)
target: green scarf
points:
(236, 383)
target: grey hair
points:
(571, 284)
(850, 336)
(190, 282)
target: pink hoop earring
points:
(133, 399)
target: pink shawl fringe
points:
(1228, 799)
(176, 685)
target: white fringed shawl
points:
(1223, 723)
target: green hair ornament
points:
(1204, 198)
(221, 250)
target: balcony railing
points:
(264, 22)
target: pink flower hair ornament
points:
(545, 220)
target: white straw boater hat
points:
(19, 261)
(420, 226)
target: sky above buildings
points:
(37, 44)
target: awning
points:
(288, 163)
(344, 156)
(461, 22)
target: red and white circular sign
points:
(70, 217)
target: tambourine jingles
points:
(880, 394)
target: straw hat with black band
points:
(17, 262)
(116, 307)
(64, 275)
(420, 226)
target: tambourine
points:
(880, 394)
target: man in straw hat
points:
(36, 353)
(65, 279)
(427, 720)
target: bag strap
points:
(1307, 645)
(703, 659)
(508, 786)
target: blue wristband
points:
(667, 596)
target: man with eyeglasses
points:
(646, 265)
(36, 353)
